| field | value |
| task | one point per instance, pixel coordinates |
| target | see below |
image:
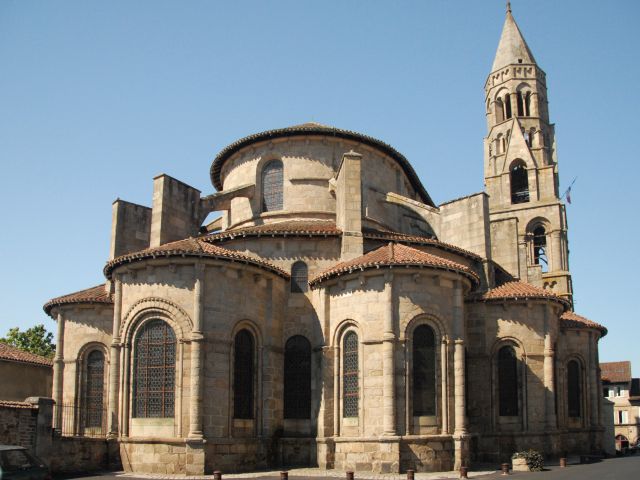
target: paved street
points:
(623, 468)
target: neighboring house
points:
(624, 391)
(23, 374)
(334, 315)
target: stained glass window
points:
(94, 390)
(573, 387)
(508, 381)
(272, 184)
(297, 378)
(350, 390)
(424, 371)
(299, 277)
(154, 371)
(243, 375)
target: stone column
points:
(388, 364)
(58, 373)
(555, 253)
(533, 106)
(336, 390)
(126, 388)
(594, 393)
(444, 360)
(195, 406)
(114, 360)
(459, 384)
(549, 381)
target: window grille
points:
(154, 371)
(243, 375)
(272, 184)
(519, 184)
(424, 372)
(574, 391)
(350, 390)
(508, 381)
(299, 277)
(94, 390)
(297, 378)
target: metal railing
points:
(80, 421)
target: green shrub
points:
(535, 460)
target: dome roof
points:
(313, 128)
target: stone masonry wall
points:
(18, 424)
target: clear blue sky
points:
(98, 97)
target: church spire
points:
(512, 49)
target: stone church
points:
(333, 315)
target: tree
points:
(34, 340)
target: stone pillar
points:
(534, 111)
(58, 373)
(594, 393)
(444, 360)
(43, 446)
(349, 205)
(459, 385)
(336, 390)
(549, 381)
(197, 338)
(126, 388)
(555, 253)
(513, 99)
(114, 360)
(388, 364)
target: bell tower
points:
(528, 219)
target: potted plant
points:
(527, 461)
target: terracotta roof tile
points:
(14, 354)
(286, 228)
(96, 294)
(616, 372)
(517, 290)
(10, 404)
(192, 247)
(394, 254)
(389, 235)
(570, 319)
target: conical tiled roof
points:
(517, 290)
(97, 294)
(512, 48)
(571, 319)
(392, 255)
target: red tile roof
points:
(192, 247)
(96, 294)
(305, 228)
(10, 404)
(570, 319)
(389, 235)
(394, 254)
(14, 354)
(517, 290)
(616, 372)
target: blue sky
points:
(96, 98)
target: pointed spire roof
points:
(512, 47)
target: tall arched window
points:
(93, 397)
(520, 104)
(519, 178)
(297, 378)
(499, 110)
(272, 186)
(350, 389)
(243, 375)
(299, 277)
(507, 105)
(424, 371)
(527, 104)
(540, 248)
(574, 393)
(507, 382)
(154, 371)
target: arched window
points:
(424, 371)
(507, 105)
(297, 378)
(519, 178)
(299, 277)
(243, 375)
(499, 110)
(154, 371)
(507, 382)
(574, 393)
(350, 389)
(93, 398)
(527, 104)
(520, 104)
(272, 185)
(540, 248)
